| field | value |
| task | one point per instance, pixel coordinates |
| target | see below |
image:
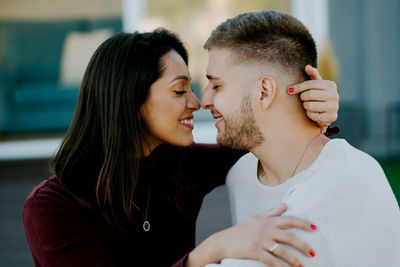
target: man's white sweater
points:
(344, 192)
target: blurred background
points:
(45, 46)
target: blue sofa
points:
(31, 98)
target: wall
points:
(58, 9)
(366, 39)
(194, 20)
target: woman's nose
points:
(193, 102)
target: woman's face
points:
(168, 112)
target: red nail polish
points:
(301, 265)
(291, 90)
(312, 253)
(313, 227)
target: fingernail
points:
(313, 227)
(312, 253)
(290, 90)
(301, 265)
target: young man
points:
(253, 58)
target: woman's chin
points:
(184, 141)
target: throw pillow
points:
(77, 51)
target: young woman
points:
(128, 182)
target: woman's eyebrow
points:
(180, 77)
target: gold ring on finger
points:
(273, 247)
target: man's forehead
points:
(214, 72)
(217, 63)
(219, 55)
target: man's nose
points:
(206, 98)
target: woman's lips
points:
(187, 122)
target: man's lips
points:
(218, 118)
(216, 115)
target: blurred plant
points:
(327, 63)
(391, 168)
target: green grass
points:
(392, 171)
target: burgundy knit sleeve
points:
(331, 131)
(181, 262)
(209, 164)
(57, 234)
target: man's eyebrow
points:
(210, 77)
(181, 77)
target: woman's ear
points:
(267, 91)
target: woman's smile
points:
(187, 122)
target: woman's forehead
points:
(174, 66)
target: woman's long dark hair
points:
(99, 160)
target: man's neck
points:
(287, 152)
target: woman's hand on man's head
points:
(320, 98)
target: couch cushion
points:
(77, 51)
(112, 23)
(44, 94)
(35, 47)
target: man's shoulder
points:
(360, 162)
(245, 159)
(342, 172)
(244, 164)
(240, 173)
(351, 157)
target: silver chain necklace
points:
(263, 175)
(146, 224)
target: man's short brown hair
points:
(266, 36)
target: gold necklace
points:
(146, 224)
(298, 163)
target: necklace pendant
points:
(146, 226)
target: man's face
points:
(228, 96)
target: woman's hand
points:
(252, 239)
(320, 98)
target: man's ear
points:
(267, 91)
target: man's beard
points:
(241, 132)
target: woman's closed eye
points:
(180, 92)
